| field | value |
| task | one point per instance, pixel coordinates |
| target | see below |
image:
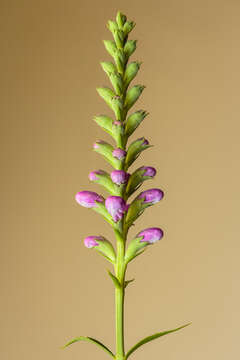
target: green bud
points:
(128, 26)
(113, 101)
(119, 38)
(114, 76)
(121, 19)
(134, 247)
(105, 122)
(108, 67)
(118, 131)
(105, 149)
(105, 247)
(135, 181)
(117, 82)
(130, 47)
(112, 26)
(120, 59)
(135, 209)
(132, 96)
(133, 121)
(100, 209)
(110, 47)
(130, 72)
(107, 95)
(117, 107)
(134, 150)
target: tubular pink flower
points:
(97, 143)
(151, 235)
(119, 177)
(149, 171)
(91, 241)
(151, 196)
(88, 198)
(116, 207)
(93, 174)
(119, 153)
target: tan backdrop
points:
(52, 287)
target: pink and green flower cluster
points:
(121, 182)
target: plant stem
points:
(119, 297)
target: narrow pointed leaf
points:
(92, 340)
(114, 279)
(127, 282)
(152, 337)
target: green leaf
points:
(110, 47)
(130, 72)
(127, 282)
(130, 47)
(134, 150)
(128, 26)
(92, 340)
(114, 279)
(152, 337)
(133, 121)
(132, 96)
(121, 19)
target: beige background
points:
(52, 287)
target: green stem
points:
(120, 266)
(119, 297)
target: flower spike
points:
(120, 97)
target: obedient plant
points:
(117, 209)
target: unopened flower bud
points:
(128, 26)
(151, 235)
(132, 95)
(103, 178)
(112, 25)
(138, 177)
(110, 47)
(143, 239)
(121, 19)
(134, 150)
(141, 202)
(151, 196)
(133, 121)
(119, 177)
(148, 171)
(88, 199)
(119, 153)
(108, 67)
(93, 175)
(130, 72)
(145, 142)
(130, 47)
(91, 242)
(102, 245)
(97, 144)
(116, 207)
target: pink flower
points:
(93, 174)
(149, 171)
(151, 235)
(119, 177)
(116, 207)
(88, 198)
(91, 242)
(151, 196)
(119, 153)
